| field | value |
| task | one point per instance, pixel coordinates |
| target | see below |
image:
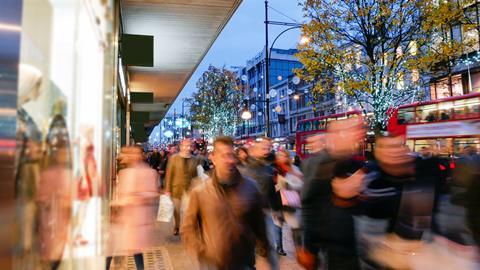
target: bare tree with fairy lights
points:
(378, 51)
(216, 103)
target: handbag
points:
(290, 198)
(165, 209)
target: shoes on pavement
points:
(281, 252)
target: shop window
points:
(433, 91)
(475, 77)
(440, 88)
(470, 37)
(457, 33)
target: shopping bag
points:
(165, 209)
(290, 198)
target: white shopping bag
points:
(165, 209)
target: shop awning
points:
(183, 31)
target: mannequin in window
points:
(88, 184)
(54, 195)
(28, 156)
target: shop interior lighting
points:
(10, 27)
(121, 74)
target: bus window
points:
(308, 126)
(305, 148)
(316, 125)
(444, 147)
(406, 116)
(445, 111)
(461, 109)
(467, 108)
(475, 107)
(440, 147)
(427, 113)
(299, 127)
(322, 124)
(411, 145)
(460, 143)
(419, 144)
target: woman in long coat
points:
(135, 207)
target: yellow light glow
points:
(246, 115)
(304, 40)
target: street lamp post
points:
(267, 83)
(183, 115)
(174, 121)
(246, 116)
(268, 52)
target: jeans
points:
(272, 256)
(180, 207)
(279, 237)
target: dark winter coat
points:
(326, 226)
(264, 175)
(223, 223)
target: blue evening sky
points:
(244, 36)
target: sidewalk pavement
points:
(169, 254)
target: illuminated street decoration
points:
(168, 134)
(217, 103)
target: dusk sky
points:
(244, 36)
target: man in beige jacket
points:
(224, 219)
(181, 169)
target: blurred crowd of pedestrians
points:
(345, 208)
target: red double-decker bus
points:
(315, 126)
(448, 125)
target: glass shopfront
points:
(65, 125)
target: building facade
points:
(252, 82)
(463, 76)
(290, 98)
